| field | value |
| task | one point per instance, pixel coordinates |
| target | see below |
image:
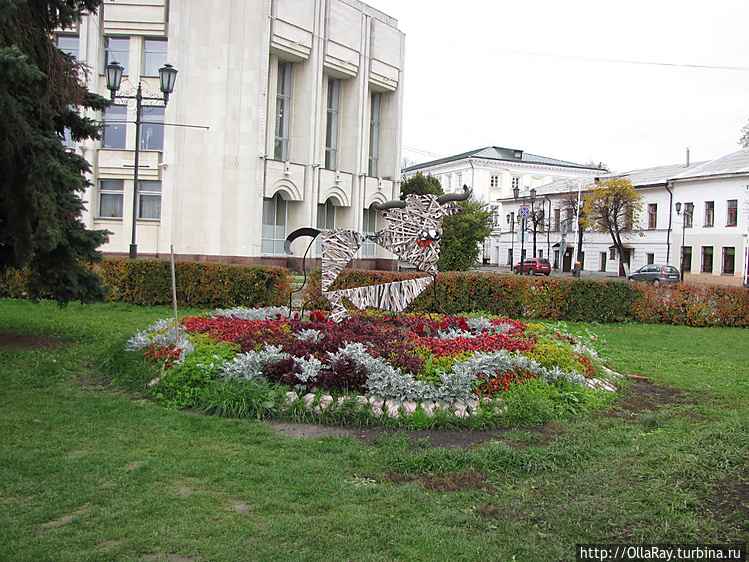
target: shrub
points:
(585, 300)
(182, 385)
(199, 284)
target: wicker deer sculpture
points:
(413, 234)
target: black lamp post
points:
(516, 195)
(687, 214)
(167, 78)
(511, 222)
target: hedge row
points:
(555, 298)
(199, 284)
(211, 285)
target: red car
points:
(534, 266)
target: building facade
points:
(492, 173)
(285, 114)
(696, 214)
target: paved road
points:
(554, 273)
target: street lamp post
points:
(532, 199)
(687, 214)
(511, 222)
(167, 78)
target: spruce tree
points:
(41, 94)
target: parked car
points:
(533, 266)
(656, 274)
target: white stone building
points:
(492, 173)
(285, 114)
(712, 225)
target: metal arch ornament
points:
(413, 234)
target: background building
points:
(701, 207)
(492, 173)
(286, 114)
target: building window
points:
(369, 226)
(68, 44)
(602, 262)
(688, 215)
(283, 112)
(652, 217)
(152, 128)
(612, 253)
(494, 181)
(115, 127)
(495, 215)
(326, 214)
(149, 200)
(709, 213)
(117, 49)
(374, 134)
(515, 182)
(629, 218)
(154, 56)
(111, 193)
(331, 131)
(650, 258)
(707, 259)
(274, 225)
(67, 139)
(733, 212)
(556, 220)
(729, 261)
(459, 182)
(687, 259)
(509, 256)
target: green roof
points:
(500, 154)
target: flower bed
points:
(387, 364)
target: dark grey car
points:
(656, 274)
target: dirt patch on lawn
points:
(307, 430)
(641, 397)
(729, 504)
(10, 341)
(469, 479)
(450, 438)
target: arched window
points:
(274, 225)
(369, 226)
(326, 215)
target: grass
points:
(89, 472)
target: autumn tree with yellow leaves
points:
(614, 206)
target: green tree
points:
(462, 235)
(614, 206)
(41, 93)
(421, 185)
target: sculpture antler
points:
(447, 197)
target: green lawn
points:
(88, 472)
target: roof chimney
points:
(687, 157)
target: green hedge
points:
(554, 298)
(199, 284)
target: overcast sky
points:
(614, 81)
